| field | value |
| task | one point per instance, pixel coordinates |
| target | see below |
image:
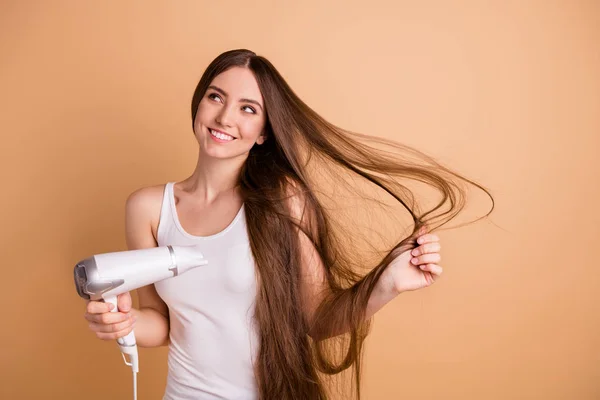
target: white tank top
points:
(213, 340)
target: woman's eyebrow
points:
(218, 89)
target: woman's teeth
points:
(220, 135)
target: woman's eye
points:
(249, 108)
(214, 96)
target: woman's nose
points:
(225, 116)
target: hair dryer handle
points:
(127, 343)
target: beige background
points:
(95, 101)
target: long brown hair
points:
(291, 365)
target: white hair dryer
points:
(105, 276)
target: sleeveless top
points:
(213, 340)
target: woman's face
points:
(231, 116)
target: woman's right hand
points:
(110, 325)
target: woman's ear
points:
(261, 139)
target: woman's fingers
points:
(433, 247)
(109, 325)
(112, 328)
(428, 238)
(108, 318)
(99, 312)
(98, 307)
(434, 269)
(429, 258)
(115, 335)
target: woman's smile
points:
(220, 137)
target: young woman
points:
(257, 321)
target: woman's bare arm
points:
(152, 325)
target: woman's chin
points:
(219, 153)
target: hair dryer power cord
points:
(134, 385)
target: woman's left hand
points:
(417, 268)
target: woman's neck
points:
(213, 178)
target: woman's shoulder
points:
(147, 196)
(145, 204)
(298, 202)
